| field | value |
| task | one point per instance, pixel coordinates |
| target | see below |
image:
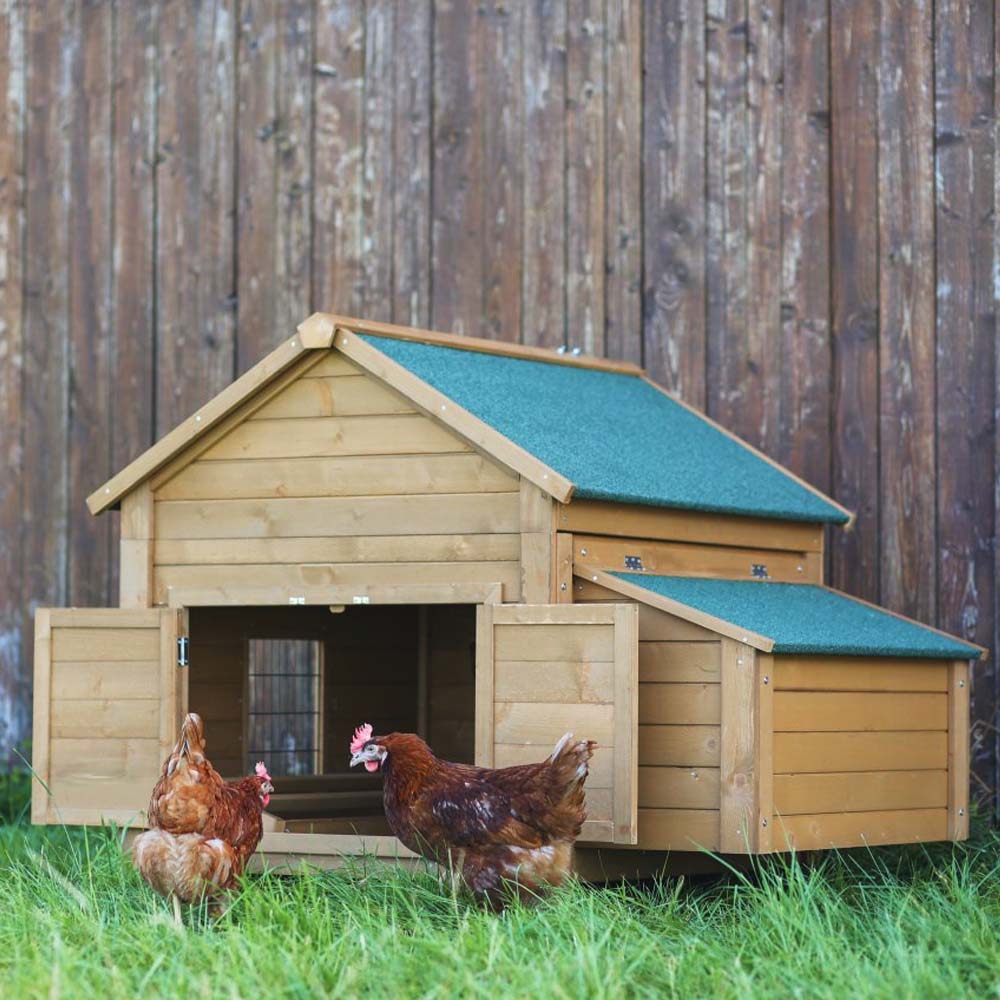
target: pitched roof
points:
(614, 435)
(796, 617)
(577, 426)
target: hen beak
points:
(372, 754)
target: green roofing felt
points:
(614, 436)
(804, 618)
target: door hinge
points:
(182, 651)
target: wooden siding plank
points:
(966, 255)
(739, 770)
(859, 791)
(343, 396)
(109, 719)
(679, 829)
(541, 724)
(562, 576)
(106, 759)
(674, 196)
(818, 673)
(537, 540)
(687, 559)
(854, 279)
(485, 736)
(585, 175)
(809, 711)
(678, 788)
(623, 39)
(195, 234)
(906, 308)
(528, 681)
(664, 662)
(412, 183)
(543, 643)
(679, 704)
(404, 434)
(826, 830)
(859, 751)
(362, 549)
(543, 284)
(594, 517)
(626, 724)
(296, 518)
(958, 750)
(105, 643)
(355, 475)
(75, 679)
(679, 746)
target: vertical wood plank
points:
(967, 334)
(855, 291)
(169, 722)
(730, 378)
(338, 97)
(45, 488)
(133, 237)
(562, 577)
(503, 178)
(196, 283)
(804, 443)
(537, 540)
(41, 714)
(136, 548)
(544, 83)
(585, 176)
(739, 772)
(673, 196)
(90, 386)
(484, 685)
(377, 190)
(760, 393)
(626, 724)
(412, 179)
(457, 165)
(623, 182)
(958, 750)
(14, 678)
(906, 308)
(764, 751)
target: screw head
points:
(763, 822)
(767, 680)
(961, 812)
(583, 552)
(961, 684)
(562, 586)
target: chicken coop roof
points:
(614, 435)
(583, 427)
(799, 617)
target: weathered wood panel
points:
(795, 204)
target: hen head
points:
(264, 780)
(367, 750)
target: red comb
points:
(361, 736)
(262, 771)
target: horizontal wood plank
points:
(105, 617)
(894, 751)
(358, 475)
(460, 513)
(858, 829)
(601, 764)
(104, 719)
(100, 644)
(663, 662)
(678, 787)
(544, 643)
(596, 517)
(406, 434)
(679, 704)
(859, 791)
(542, 724)
(336, 396)
(95, 679)
(106, 758)
(678, 829)
(333, 363)
(822, 673)
(556, 681)
(809, 711)
(679, 746)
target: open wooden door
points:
(545, 669)
(109, 692)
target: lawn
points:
(75, 921)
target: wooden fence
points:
(786, 211)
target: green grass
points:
(75, 921)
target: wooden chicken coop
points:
(490, 545)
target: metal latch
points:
(182, 651)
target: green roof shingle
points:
(613, 435)
(804, 618)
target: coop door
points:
(109, 691)
(546, 669)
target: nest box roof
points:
(574, 426)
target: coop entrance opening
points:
(288, 686)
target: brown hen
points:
(506, 829)
(203, 829)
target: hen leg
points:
(178, 919)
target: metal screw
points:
(961, 812)
(799, 568)
(961, 684)
(583, 552)
(562, 586)
(767, 680)
(763, 822)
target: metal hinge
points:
(182, 651)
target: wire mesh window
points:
(285, 697)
